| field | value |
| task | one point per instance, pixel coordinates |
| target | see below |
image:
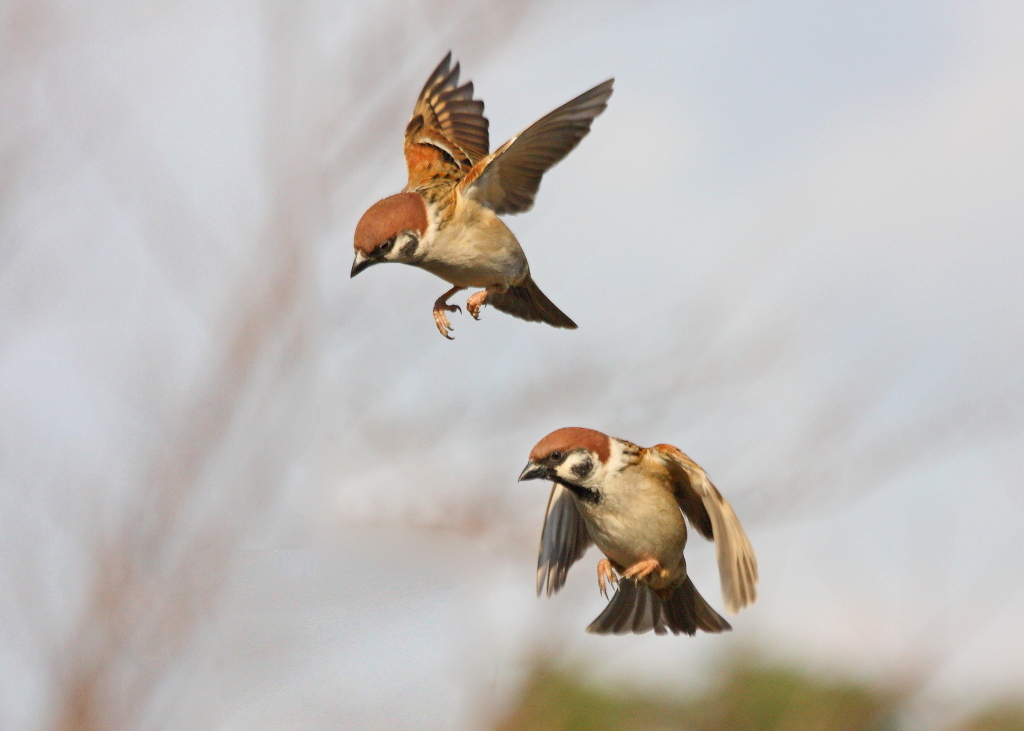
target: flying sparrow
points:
(446, 220)
(630, 501)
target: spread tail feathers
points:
(636, 609)
(527, 302)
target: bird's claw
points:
(475, 302)
(441, 319)
(641, 569)
(443, 326)
(605, 575)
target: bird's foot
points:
(441, 319)
(475, 302)
(641, 569)
(441, 306)
(605, 575)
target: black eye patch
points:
(409, 247)
(581, 469)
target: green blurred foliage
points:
(778, 699)
(750, 696)
(1003, 717)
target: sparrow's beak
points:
(534, 471)
(361, 262)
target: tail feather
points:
(527, 302)
(687, 608)
(636, 609)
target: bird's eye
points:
(556, 457)
(386, 246)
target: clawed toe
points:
(641, 569)
(475, 303)
(441, 320)
(440, 307)
(605, 575)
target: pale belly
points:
(632, 530)
(476, 252)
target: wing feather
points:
(706, 508)
(563, 541)
(448, 132)
(507, 181)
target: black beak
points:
(361, 262)
(535, 471)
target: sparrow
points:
(446, 219)
(630, 501)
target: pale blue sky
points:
(792, 245)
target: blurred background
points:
(239, 490)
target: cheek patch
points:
(582, 469)
(410, 246)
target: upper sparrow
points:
(446, 219)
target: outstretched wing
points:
(447, 134)
(507, 181)
(562, 543)
(713, 517)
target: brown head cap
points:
(384, 219)
(570, 438)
